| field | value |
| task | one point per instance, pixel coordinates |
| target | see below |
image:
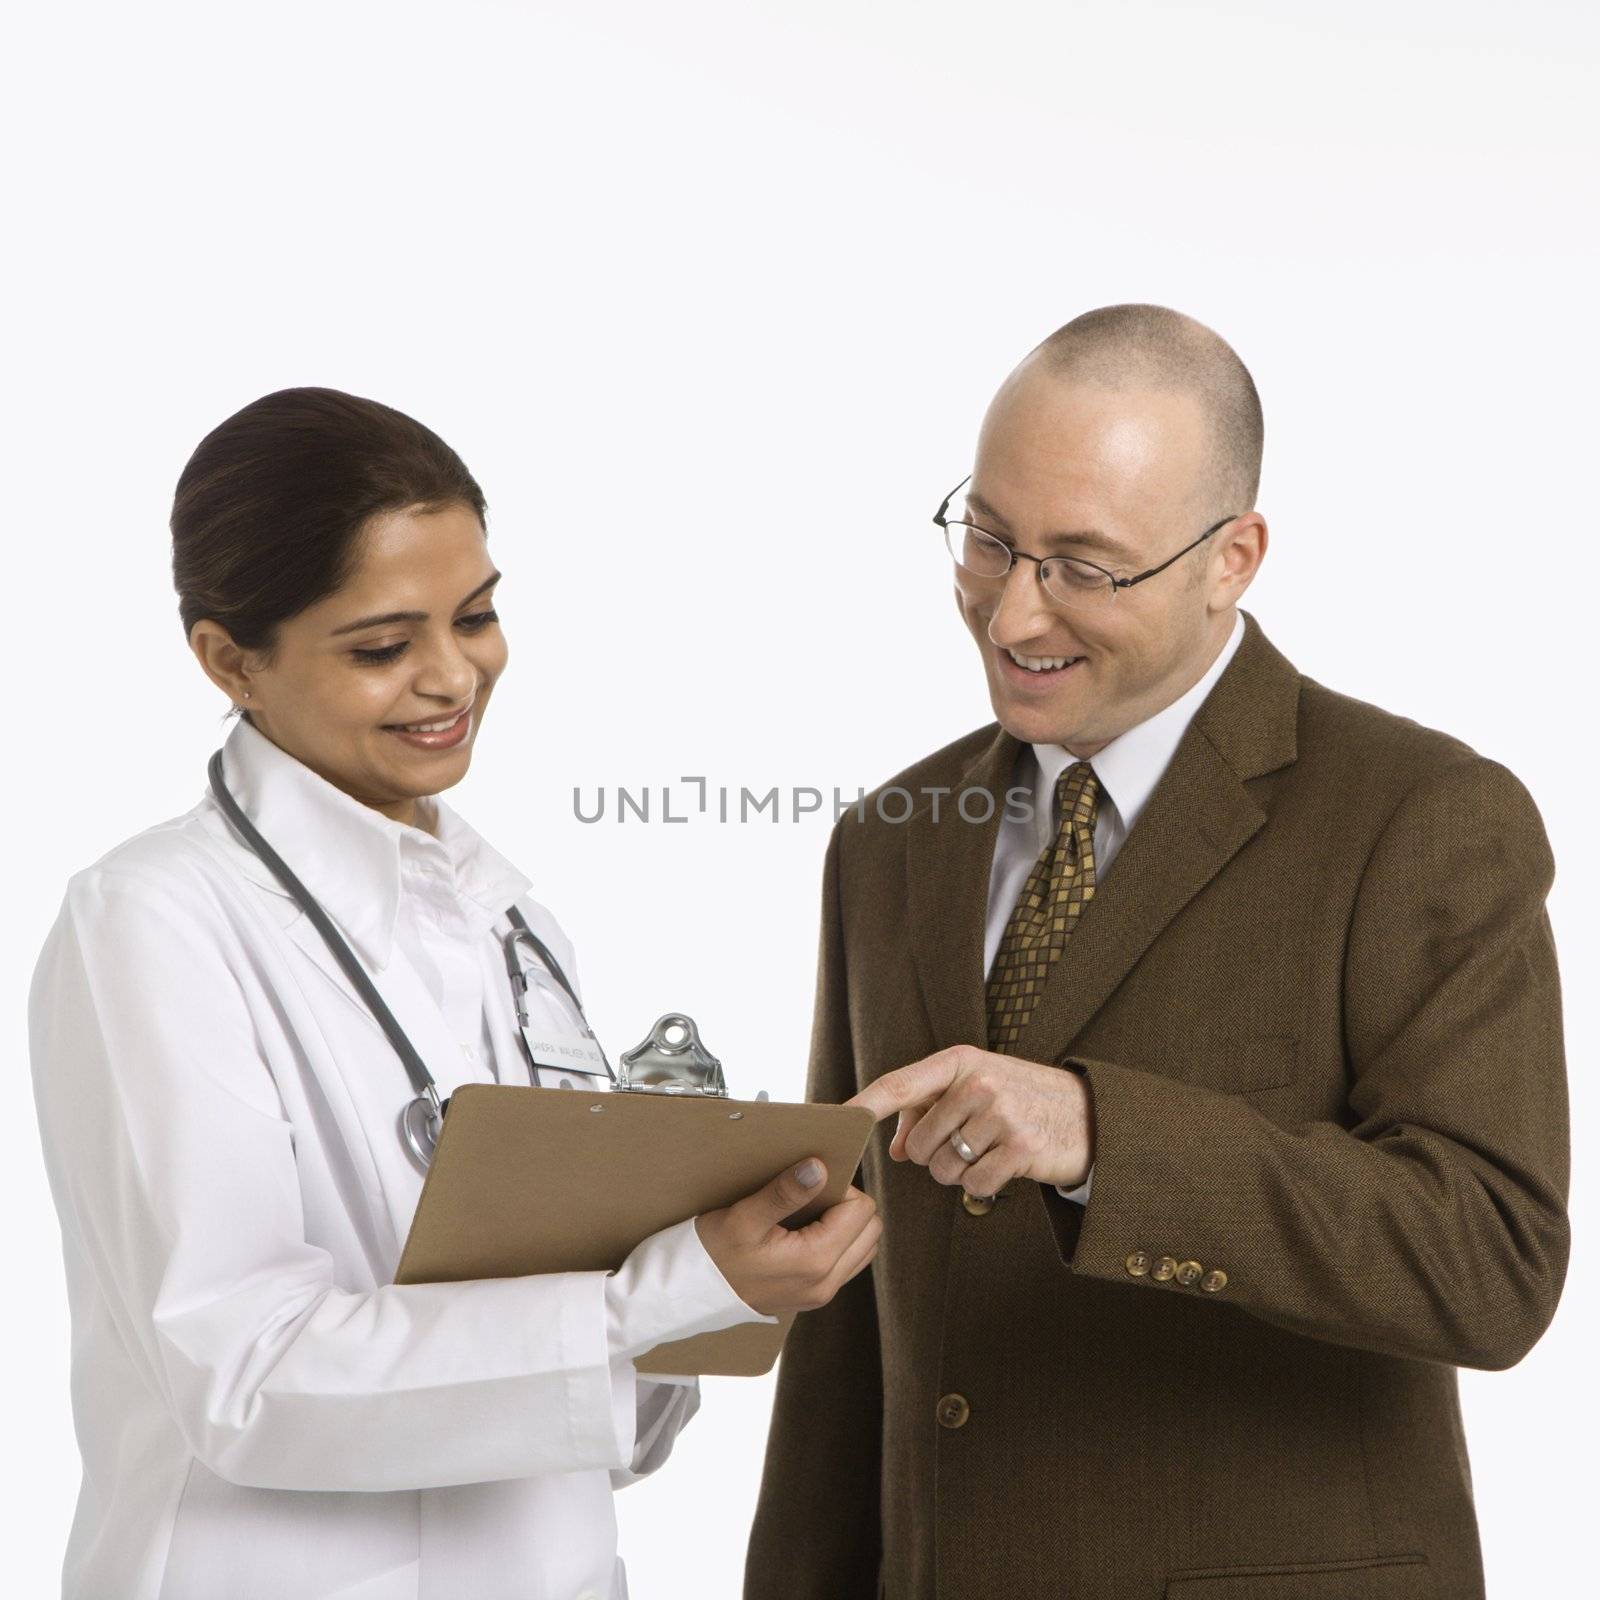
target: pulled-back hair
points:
(268, 514)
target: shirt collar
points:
(353, 858)
(1130, 766)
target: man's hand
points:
(1021, 1120)
(775, 1269)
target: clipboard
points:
(531, 1180)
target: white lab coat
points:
(262, 1413)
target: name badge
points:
(564, 1051)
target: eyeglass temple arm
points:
(1139, 577)
(944, 505)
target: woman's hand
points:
(775, 1269)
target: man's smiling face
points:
(1117, 476)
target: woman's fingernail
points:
(809, 1174)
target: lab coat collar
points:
(352, 857)
(1130, 766)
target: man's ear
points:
(1240, 558)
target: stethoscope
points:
(423, 1115)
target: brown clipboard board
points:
(531, 1180)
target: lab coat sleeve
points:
(667, 1279)
(173, 1163)
(662, 1407)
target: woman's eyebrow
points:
(1090, 538)
(412, 616)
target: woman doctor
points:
(263, 1414)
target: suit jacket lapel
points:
(947, 876)
(1199, 816)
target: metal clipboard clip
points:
(670, 1059)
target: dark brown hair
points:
(268, 514)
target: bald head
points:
(1147, 347)
(1128, 445)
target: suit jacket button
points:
(977, 1205)
(1163, 1269)
(953, 1411)
(1215, 1279)
(1188, 1273)
(1138, 1263)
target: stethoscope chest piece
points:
(420, 1123)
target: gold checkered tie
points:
(1059, 887)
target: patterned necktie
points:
(1059, 887)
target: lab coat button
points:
(1163, 1269)
(1138, 1263)
(1188, 1273)
(1214, 1280)
(953, 1411)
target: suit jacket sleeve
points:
(1433, 1224)
(816, 1531)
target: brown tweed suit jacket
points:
(1316, 1003)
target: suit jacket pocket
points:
(1238, 1062)
(1226, 1058)
(1403, 1577)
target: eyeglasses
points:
(1071, 580)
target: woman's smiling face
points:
(348, 673)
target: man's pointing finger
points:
(908, 1086)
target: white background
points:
(675, 278)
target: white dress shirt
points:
(1127, 769)
(262, 1412)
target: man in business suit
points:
(1220, 1015)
